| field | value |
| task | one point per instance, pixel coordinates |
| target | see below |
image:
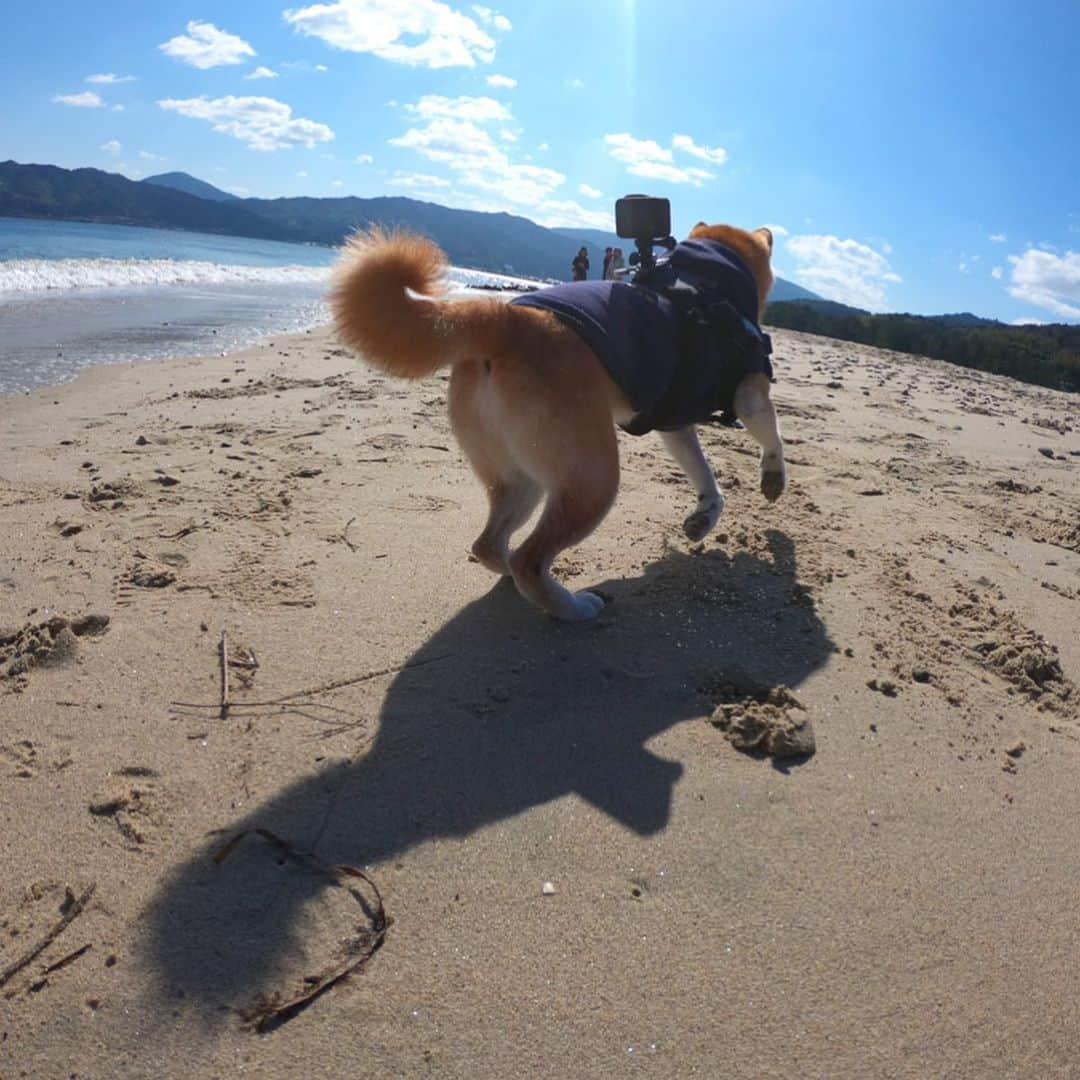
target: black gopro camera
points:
(646, 220)
(642, 217)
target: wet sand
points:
(585, 876)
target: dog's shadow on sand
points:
(503, 709)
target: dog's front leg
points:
(754, 408)
(684, 447)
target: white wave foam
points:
(41, 275)
(485, 279)
(45, 275)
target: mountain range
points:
(500, 242)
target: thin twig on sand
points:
(69, 959)
(345, 535)
(325, 688)
(224, 678)
(75, 907)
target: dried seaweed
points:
(270, 1011)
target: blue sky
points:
(918, 156)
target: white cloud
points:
(337, 183)
(460, 144)
(504, 82)
(543, 146)
(492, 18)
(996, 273)
(1022, 321)
(998, 238)
(321, 69)
(86, 100)
(842, 270)
(507, 135)
(111, 147)
(261, 73)
(205, 46)
(147, 156)
(480, 110)
(118, 108)
(261, 122)
(963, 268)
(645, 157)
(479, 161)
(418, 181)
(109, 79)
(590, 192)
(448, 38)
(556, 212)
(485, 176)
(302, 172)
(776, 230)
(240, 192)
(364, 159)
(715, 155)
(1049, 281)
(575, 82)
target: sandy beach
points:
(582, 876)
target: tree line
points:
(1043, 355)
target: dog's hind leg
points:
(581, 474)
(542, 412)
(512, 494)
(755, 409)
(513, 498)
(684, 447)
(569, 516)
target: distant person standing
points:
(580, 266)
(607, 263)
(616, 263)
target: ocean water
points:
(73, 294)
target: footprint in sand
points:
(134, 802)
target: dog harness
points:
(677, 346)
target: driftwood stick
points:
(224, 677)
(65, 960)
(324, 689)
(75, 908)
(339, 683)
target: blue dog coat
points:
(676, 347)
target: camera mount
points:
(646, 220)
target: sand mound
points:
(45, 643)
(761, 720)
(1029, 663)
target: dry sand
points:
(585, 877)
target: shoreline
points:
(900, 903)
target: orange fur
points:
(530, 404)
(407, 336)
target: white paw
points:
(582, 607)
(702, 521)
(773, 481)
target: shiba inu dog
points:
(534, 407)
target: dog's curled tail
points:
(385, 299)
